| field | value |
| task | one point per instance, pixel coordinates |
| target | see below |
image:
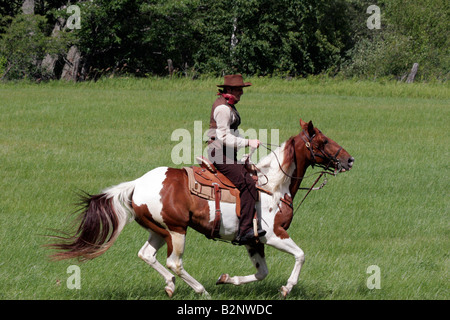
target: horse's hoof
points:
(284, 292)
(222, 279)
(169, 291)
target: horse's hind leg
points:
(148, 254)
(256, 253)
(175, 262)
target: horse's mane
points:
(270, 168)
(289, 153)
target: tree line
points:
(42, 39)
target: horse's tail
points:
(102, 218)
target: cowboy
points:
(224, 142)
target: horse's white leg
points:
(289, 246)
(175, 263)
(256, 254)
(148, 254)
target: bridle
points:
(309, 144)
(324, 155)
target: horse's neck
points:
(298, 174)
(281, 180)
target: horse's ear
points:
(311, 130)
(308, 127)
(303, 124)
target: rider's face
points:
(237, 92)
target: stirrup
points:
(258, 231)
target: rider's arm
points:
(230, 138)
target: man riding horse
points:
(224, 142)
(161, 201)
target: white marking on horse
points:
(147, 191)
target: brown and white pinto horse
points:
(160, 202)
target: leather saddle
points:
(207, 182)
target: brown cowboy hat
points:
(234, 80)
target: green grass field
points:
(391, 210)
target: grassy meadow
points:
(391, 210)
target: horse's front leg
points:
(256, 253)
(289, 246)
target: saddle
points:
(206, 182)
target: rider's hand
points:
(253, 143)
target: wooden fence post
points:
(70, 70)
(412, 74)
(170, 67)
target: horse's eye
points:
(325, 142)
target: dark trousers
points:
(249, 194)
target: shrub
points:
(411, 32)
(25, 44)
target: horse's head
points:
(323, 151)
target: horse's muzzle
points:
(347, 165)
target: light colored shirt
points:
(230, 138)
